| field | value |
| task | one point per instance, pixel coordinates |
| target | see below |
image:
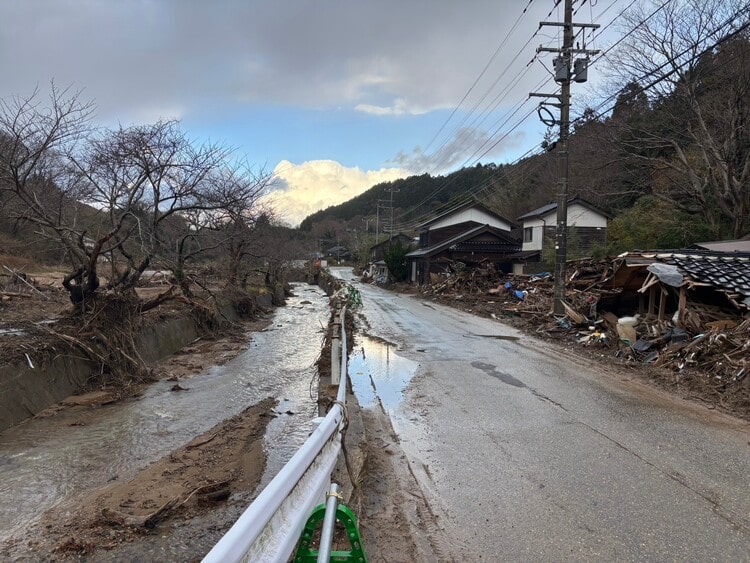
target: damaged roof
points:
(727, 271)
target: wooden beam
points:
(662, 303)
(681, 305)
(651, 300)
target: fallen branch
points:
(16, 276)
(147, 521)
(16, 294)
(214, 491)
(202, 442)
(93, 355)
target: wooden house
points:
(378, 251)
(378, 270)
(470, 234)
(587, 230)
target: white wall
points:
(471, 214)
(538, 234)
(578, 216)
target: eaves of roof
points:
(726, 271)
(430, 250)
(545, 209)
(469, 205)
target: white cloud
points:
(317, 184)
(468, 145)
(400, 107)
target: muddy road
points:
(513, 449)
(83, 481)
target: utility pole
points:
(382, 204)
(377, 222)
(563, 75)
(391, 190)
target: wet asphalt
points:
(528, 453)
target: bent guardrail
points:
(271, 526)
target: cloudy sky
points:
(333, 96)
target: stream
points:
(47, 461)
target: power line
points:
(496, 101)
(486, 147)
(481, 74)
(449, 181)
(598, 110)
(485, 186)
(499, 98)
(472, 193)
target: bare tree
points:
(142, 179)
(236, 194)
(131, 198)
(34, 179)
(691, 59)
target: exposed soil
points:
(194, 479)
(396, 521)
(191, 481)
(37, 315)
(201, 354)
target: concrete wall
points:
(24, 391)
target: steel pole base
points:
(305, 554)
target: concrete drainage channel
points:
(27, 388)
(45, 462)
(120, 438)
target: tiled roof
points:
(742, 245)
(539, 211)
(525, 255)
(459, 209)
(729, 271)
(462, 238)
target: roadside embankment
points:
(49, 375)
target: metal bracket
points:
(305, 554)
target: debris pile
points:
(687, 311)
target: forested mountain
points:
(668, 155)
(422, 192)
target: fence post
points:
(336, 352)
(329, 523)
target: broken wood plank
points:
(573, 315)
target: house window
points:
(528, 234)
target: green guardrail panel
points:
(305, 554)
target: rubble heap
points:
(686, 311)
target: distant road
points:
(527, 453)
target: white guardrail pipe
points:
(270, 528)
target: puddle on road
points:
(376, 371)
(47, 460)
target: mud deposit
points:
(163, 476)
(196, 479)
